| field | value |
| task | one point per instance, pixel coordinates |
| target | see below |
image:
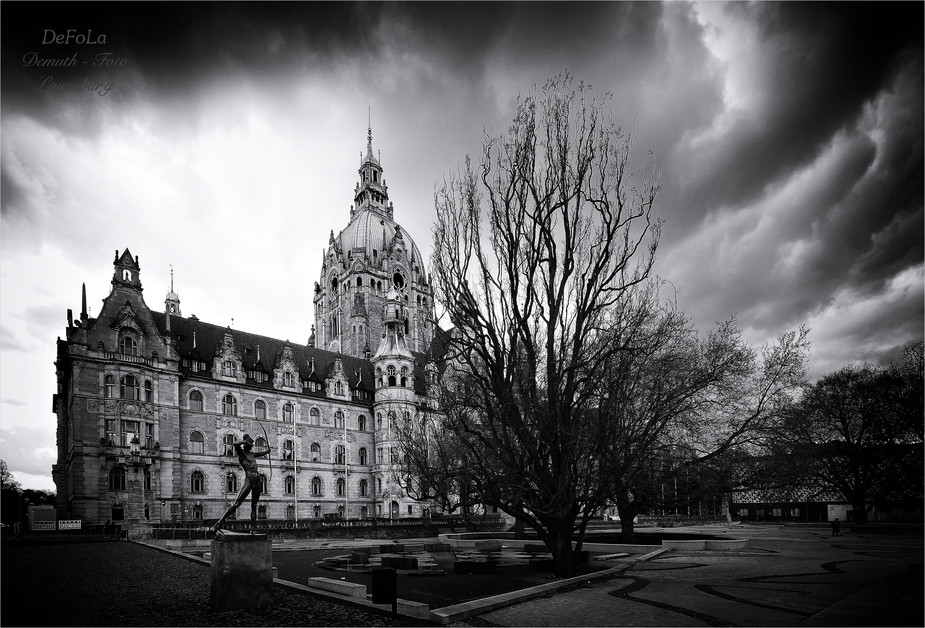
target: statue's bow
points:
(269, 456)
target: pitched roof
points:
(209, 336)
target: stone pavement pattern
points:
(786, 577)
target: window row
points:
(230, 408)
(129, 388)
(287, 452)
(198, 483)
(119, 433)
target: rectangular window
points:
(112, 432)
(129, 431)
(149, 435)
(410, 512)
(794, 512)
(175, 508)
(393, 456)
(379, 456)
(195, 367)
(776, 512)
(743, 512)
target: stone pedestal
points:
(242, 572)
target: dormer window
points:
(127, 345)
(228, 368)
(287, 378)
(338, 388)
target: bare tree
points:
(862, 426)
(532, 252)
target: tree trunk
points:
(859, 515)
(560, 546)
(627, 515)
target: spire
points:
(83, 302)
(172, 302)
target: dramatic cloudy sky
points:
(224, 140)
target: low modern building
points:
(149, 402)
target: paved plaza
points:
(787, 576)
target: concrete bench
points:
(488, 546)
(339, 586)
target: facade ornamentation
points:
(184, 388)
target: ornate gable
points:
(285, 370)
(228, 364)
(336, 382)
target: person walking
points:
(836, 527)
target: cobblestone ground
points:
(123, 584)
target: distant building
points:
(149, 402)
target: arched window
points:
(290, 512)
(229, 444)
(128, 388)
(364, 488)
(379, 484)
(391, 376)
(339, 419)
(197, 512)
(340, 512)
(361, 422)
(231, 483)
(197, 482)
(316, 486)
(404, 376)
(315, 415)
(261, 512)
(117, 479)
(149, 391)
(363, 455)
(263, 484)
(260, 409)
(364, 512)
(229, 405)
(316, 452)
(287, 450)
(379, 421)
(147, 479)
(110, 383)
(287, 413)
(260, 442)
(391, 424)
(316, 512)
(196, 443)
(195, 401)
(128, 346)
(290, 485)
(339, 454)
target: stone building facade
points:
(148, 402)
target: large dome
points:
(372, 232)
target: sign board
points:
(69, 524)
(43, 525)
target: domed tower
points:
(362, 264)
(394, 404)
